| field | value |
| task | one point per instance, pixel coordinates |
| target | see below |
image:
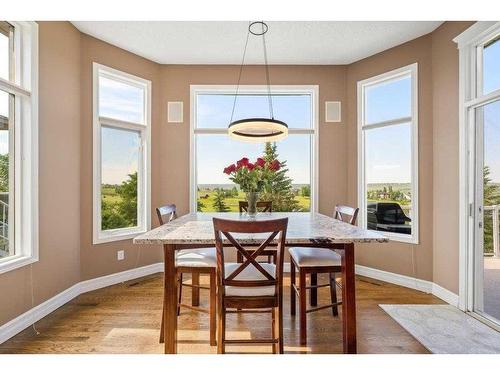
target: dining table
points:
(305, 229)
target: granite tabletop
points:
(303, 228)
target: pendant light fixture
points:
(257, 129)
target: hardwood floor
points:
(125, 318)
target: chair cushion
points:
(196, 258)
(250, 273)
(314, 257)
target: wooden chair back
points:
(166, 213)
(346, 214)
(276, 227)
(265, 206)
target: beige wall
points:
(59, 175)
(445, 157)
(66, 251)
(99, 260)
(398, 257)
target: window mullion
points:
(402, 120)
(13, 88)
(114, 123)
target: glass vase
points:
(252, 198)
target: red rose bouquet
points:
(252, 177)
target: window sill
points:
(117, 236)
(398, 237)
(15, 262)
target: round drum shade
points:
(258, 130)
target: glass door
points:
(486, 301)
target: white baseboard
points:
(31, 316)
(395, 278)
(23, 321)
(409, 282)
(402, 280)
(446, 295)
(119, 277)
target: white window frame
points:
(405, 71)
(25, 89)
(312, 90)
(144, 165)
(470, 44)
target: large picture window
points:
(122, 122)
(388, 153)
(213, 149)
(18, 144)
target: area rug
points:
(444, 329)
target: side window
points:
(387, 130)
(121, 154)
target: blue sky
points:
(388, 149)
(120, 101)
(214, 111)
(120, 152)
(388, 101)
(491, 67)
(120, 148)
(491, 82)
(491, 115)
(218, 151)
(388, 154)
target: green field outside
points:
(207, 196)
(109, 195)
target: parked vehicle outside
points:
(387, 217)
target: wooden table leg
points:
(348, 299)
(170, 305)
(195, 292)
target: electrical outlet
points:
(120, 254)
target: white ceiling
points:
(314, 43)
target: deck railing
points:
(495, 210)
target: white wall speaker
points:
(175, 111)
(332, 112)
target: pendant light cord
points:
(268, 80)
(241, 71)
(271, 113)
